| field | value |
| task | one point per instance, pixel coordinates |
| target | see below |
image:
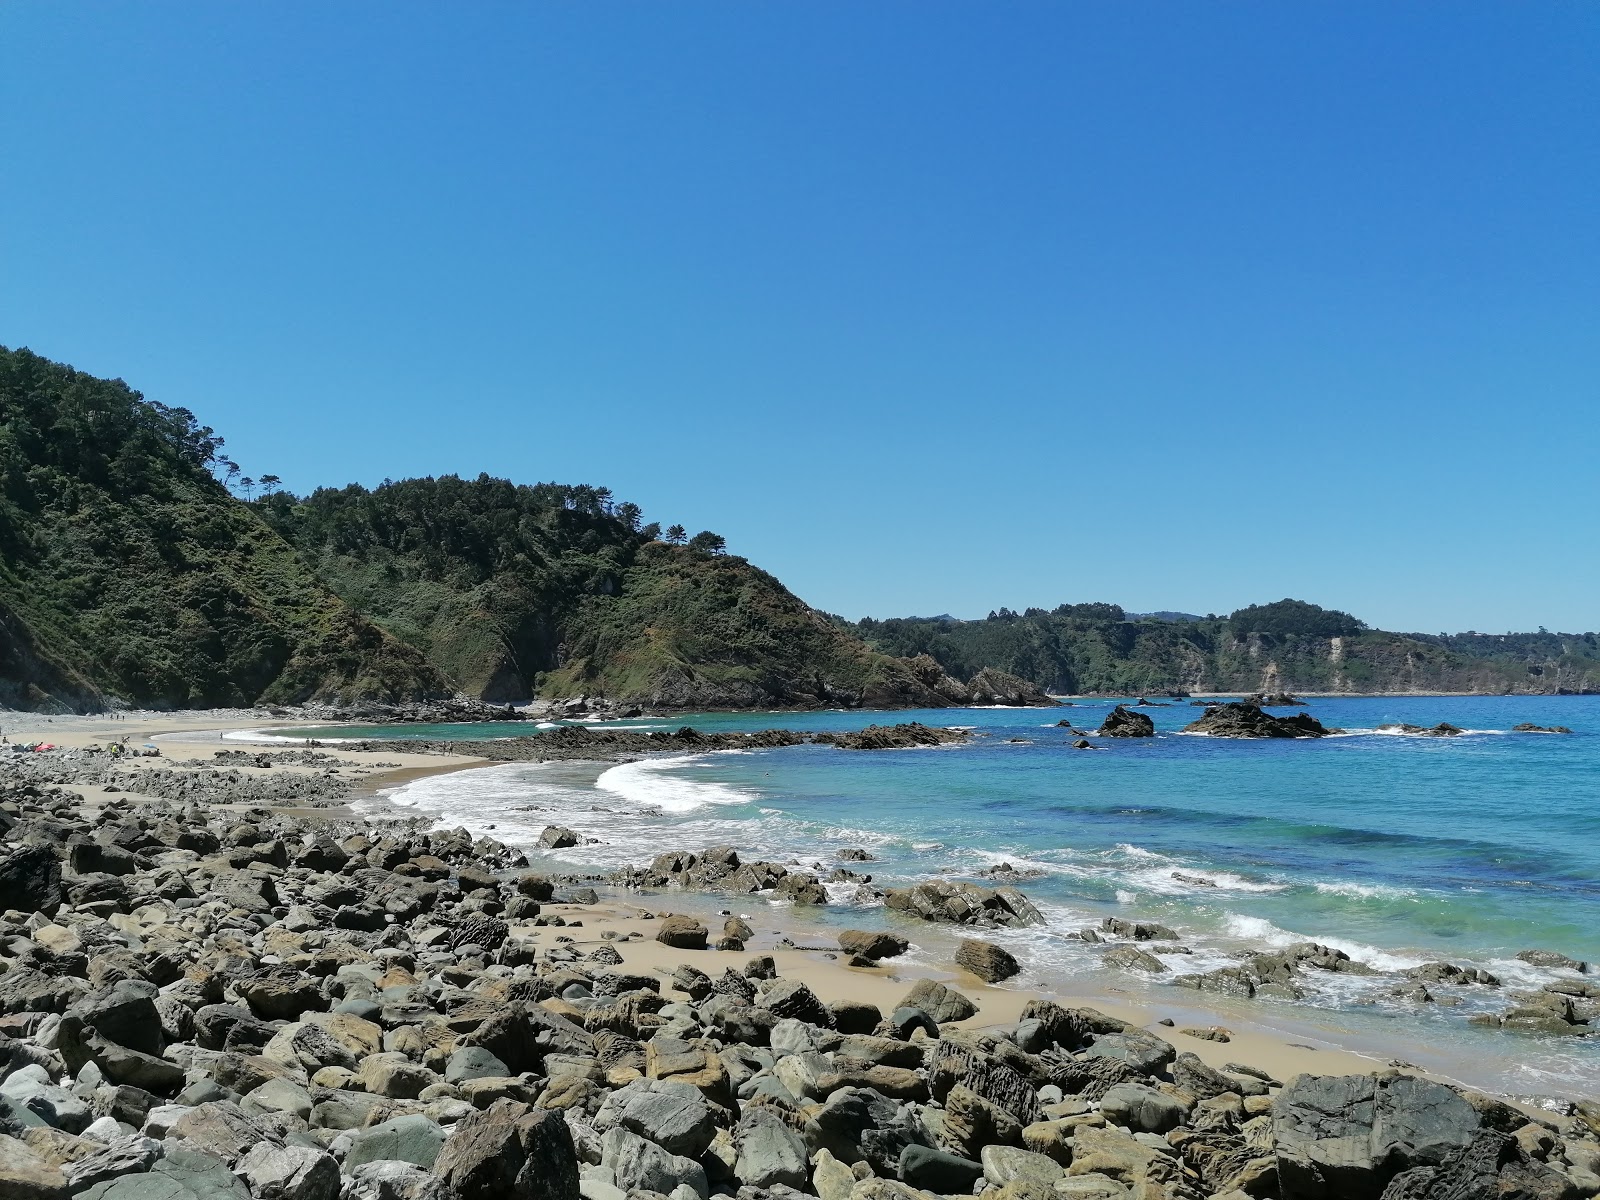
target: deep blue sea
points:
(1395, 849)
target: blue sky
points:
(926, 307)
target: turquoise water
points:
(1395, 849)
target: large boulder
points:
(641, 1165)
(221, 1128)
(25, 989)
(987, 961)
(1123, 722)
(182, 1174)
(792, 998)
(413, 1139)
(24, 1175)
(124, 1012)
(940, 1003)
(1344, 1137)
(1142, 1109)
(508, 1152)
(289, 1173)
(682, 933)
(280, 993)
(674, 1115)
(1493, 1164)
(768, 1151)
(867, 944)
(30, 880)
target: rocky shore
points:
(585, 743)
(202, 999)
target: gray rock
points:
(278, 1096)
(126, 1156)
(412, 1139)
(1002, 1164)
(388, 1180)
(939, 1002)
(290, 1173)
(30, 880)
(641, 1165)
(987, 961)
(768, 1152)
(792, 998)
(26, 1176)
(1344, 1137)
(1143, 1051)
(675, 1116)
(31, 1089)
(1131, 958)
(509, 1152)
(473, 1062)
(790, 1036)
(183, 1174)
(1141, 1109)
(938, 1171)
(222, 1129)
(24, 989)
(869, 944)
(124, 1012)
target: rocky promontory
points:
(589, 743)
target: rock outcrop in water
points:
(955, 903)
(1246, 720)
(1443, 729)
(894, 737)
(1123, 722)
(1529, 727)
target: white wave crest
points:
(1363, 891)
(1258, 929)
(652, 783)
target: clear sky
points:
(926, 307)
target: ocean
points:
(1398, 850)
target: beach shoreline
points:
(189, 740)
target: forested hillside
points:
(1289, 645)
(128, 571)
(554, 590)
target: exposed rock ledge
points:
(1246, 720)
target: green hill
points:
(128, 571)
(555, 590)
(1093, 649)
